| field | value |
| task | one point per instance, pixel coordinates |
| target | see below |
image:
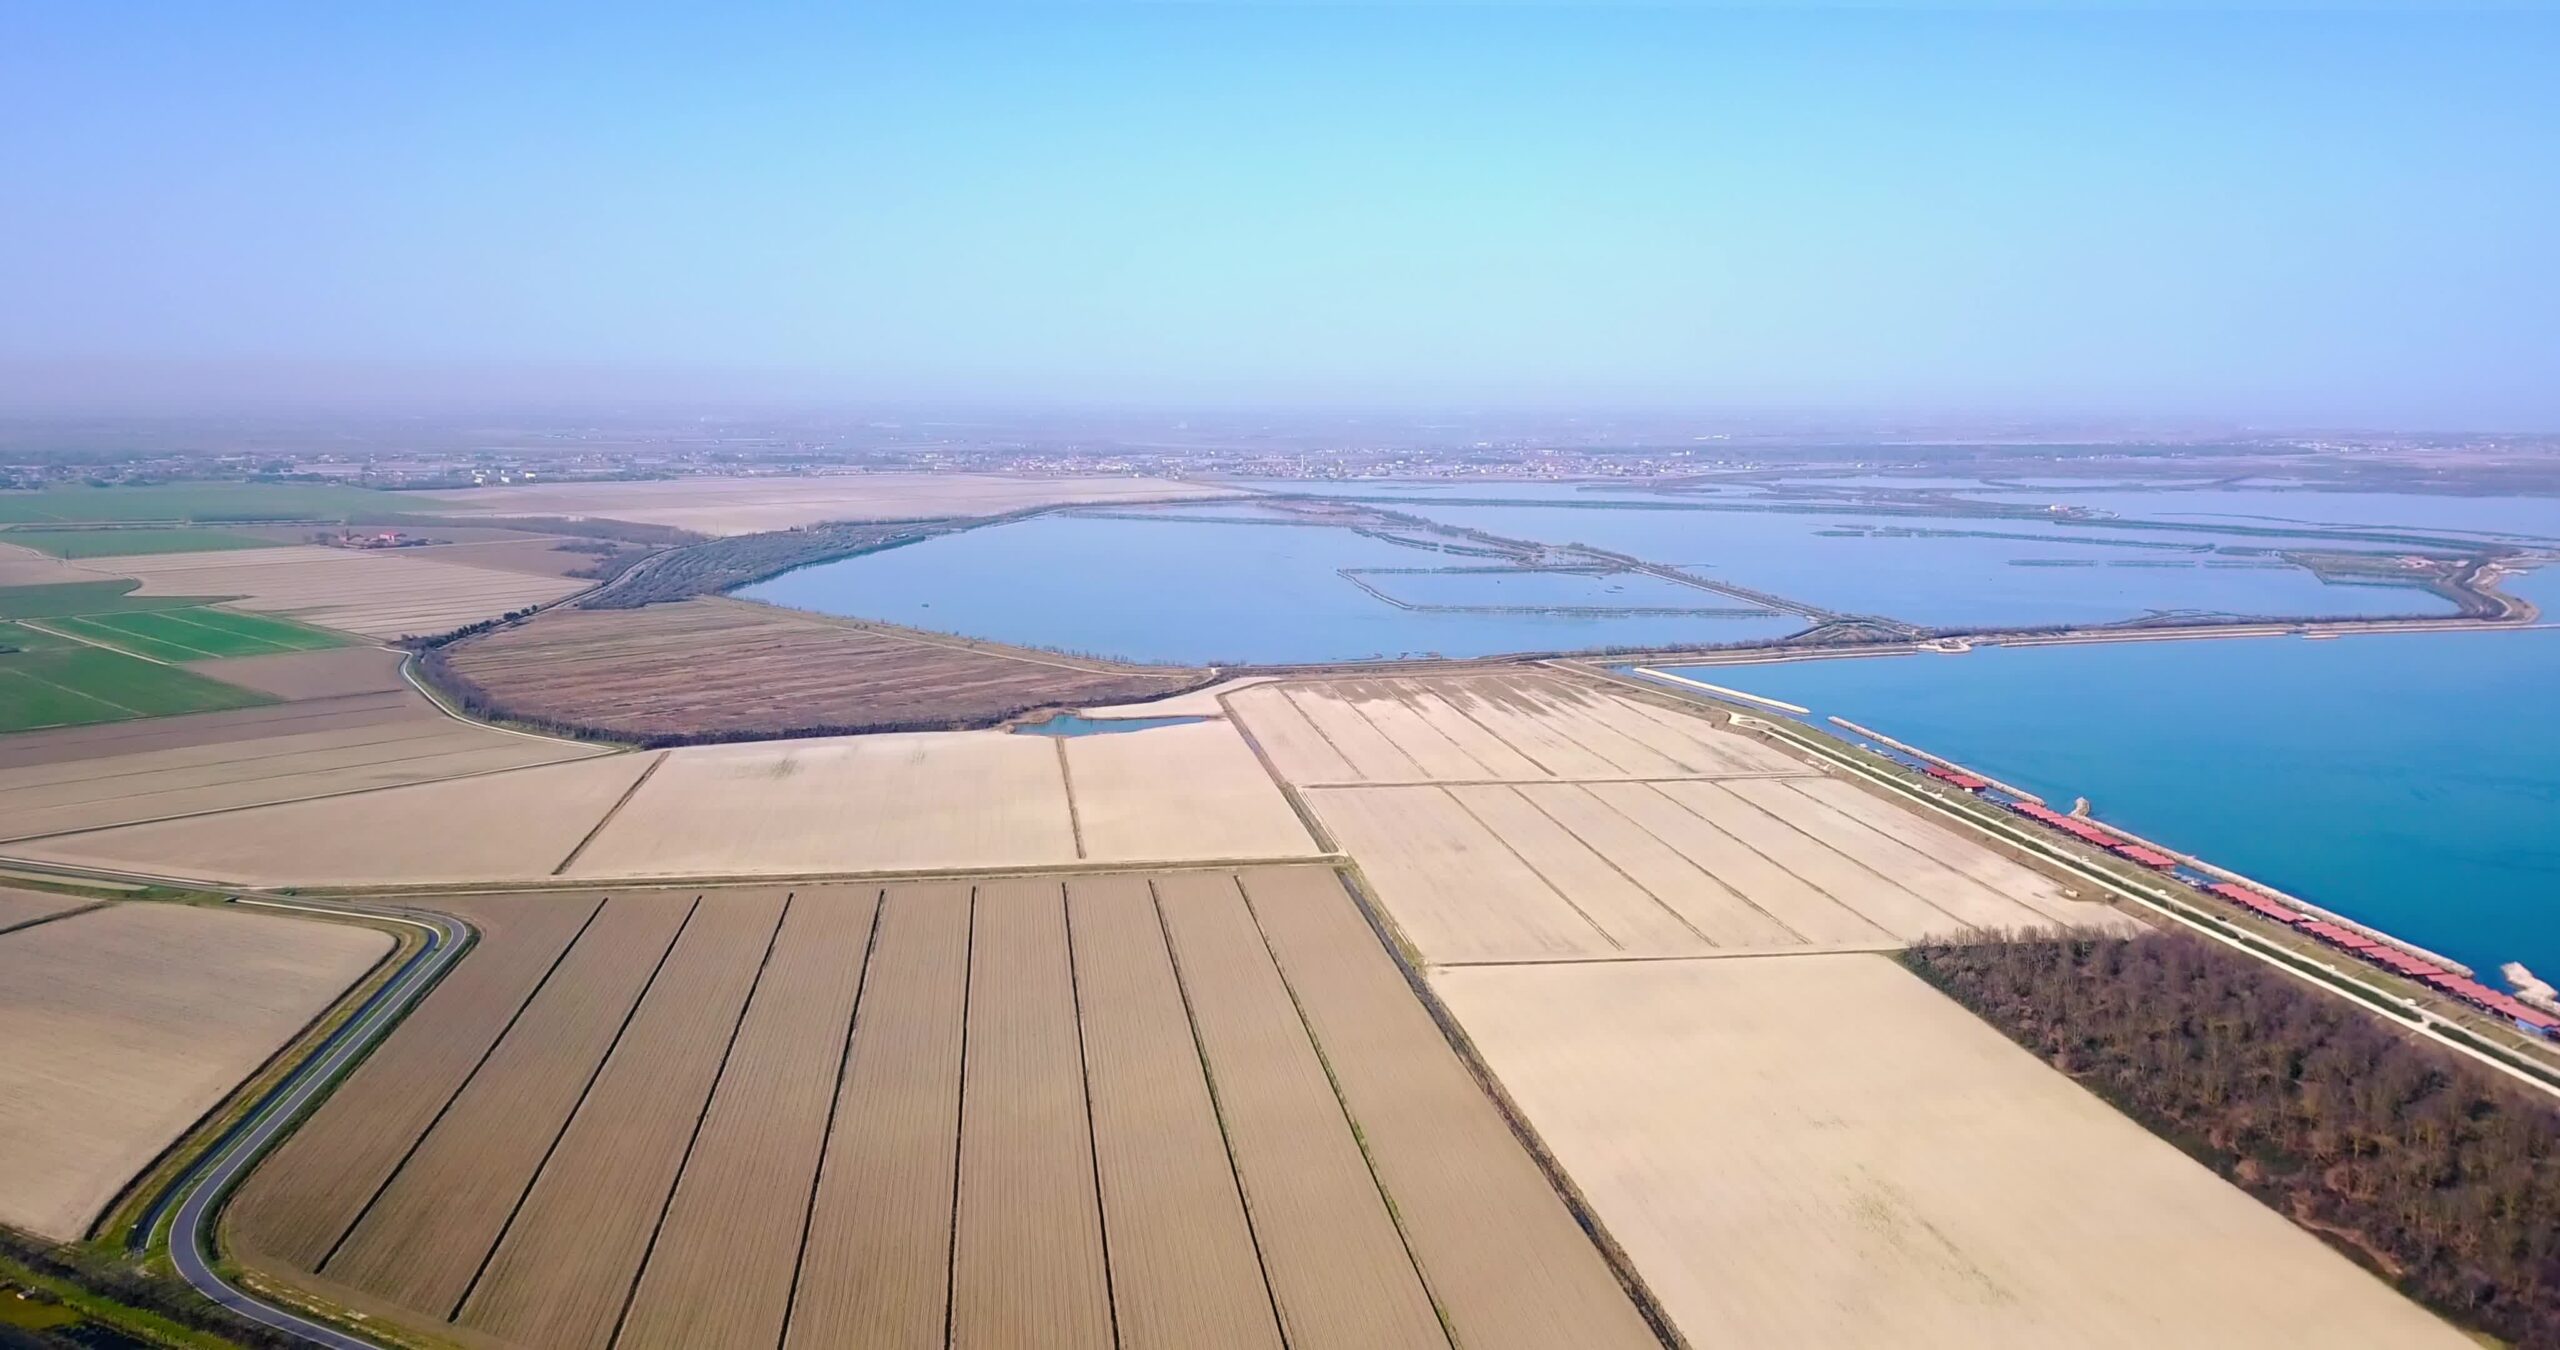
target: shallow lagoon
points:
(1949, 579)
(2412, 781)
(1192, 592)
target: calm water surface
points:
(2410, 781)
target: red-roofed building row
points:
(2148, 857)
(1957, 778)
(2252, 901)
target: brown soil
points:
(718, 669)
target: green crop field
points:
(194, 634)
(76, 686)
(198, 503)
(17, 637)
(88, 597)
(126, 543)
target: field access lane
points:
(563, 1272)
(1184, 1272)
(1027, 1259)
(719, 1277)
(1338, 1268)
(883, 1201)
(425, 1236)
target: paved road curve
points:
(196, 1191)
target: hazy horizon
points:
(2279, 219)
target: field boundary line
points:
(826, 1137)
(1753, 775)
(409, 672)
(1067, 787)
(260, 778)
(705, 881)
(1543, 879)
(1333, 1082)
(59, 914)
(1084, 1080)
(1217, 1107)
(667, 1205)
(2334, 981)
(1623, 874)
(1656, 958)
(1700, 868)
(1464, 1048)
(1402, 697)
(491, 1255)
(92, 642)
(1802, 880)
(1842, 854)
(320, 1266)
(123, 631)
(292, 801)
(960, 1120)
(1316, 832)
(77, 693)
(220, 1169)
(610, 812)
(1498, 738)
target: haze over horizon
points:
(2317, 217)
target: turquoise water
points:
(1069, 724)
(2410, 781)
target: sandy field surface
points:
(18, 908)
(1526, 726)
(22, 566)
(122, 1026)
(65, 744)
(1090, 1110)
(844, 804)
(388, 593)
(725, 506)
(721, 665)
(1523, 818)
(1171, 793)
(345, 754)
(1822, 1150)
(1527, 872)
(515, 825)
(334, 673)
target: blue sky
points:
(2297, 215)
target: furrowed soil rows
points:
(1184, 1272)
(713, 666)
(1632, 919)
(1432, 751)
(1969, 901)
(1368, 751)
(122, 1026)
(1708, 903)
(1297, 749)
(1751, 874)
(1889, 905)
(425, 1236)
(1027, 1261)
(883, 1205)
(2030, 889)
(719, 1277)
(562, 1273)
(1456, 891)
(1337, 1267)
(1506, 1260)
(295, 1208)
(1889, 1173)
(1500, 758)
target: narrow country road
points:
(201, 1187)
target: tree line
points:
(2438, 1173)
